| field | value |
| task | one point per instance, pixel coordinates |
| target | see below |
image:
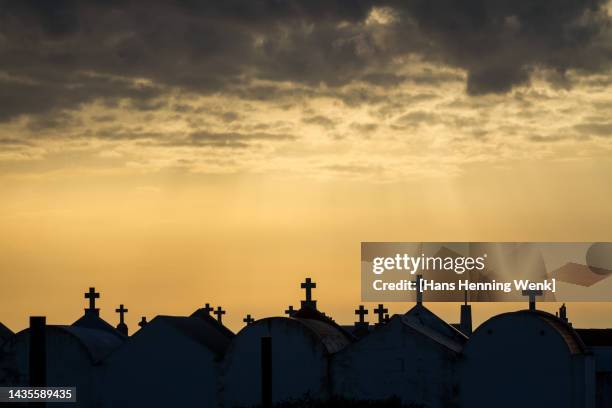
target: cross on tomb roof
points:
(92, 295)
(207, 309)
(122, 311)
(361, 312)
(532, 297)
(308, 285)
(122, 327)
(219, 313)
(380, 311)
(290, 311)
(248, 319)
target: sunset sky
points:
(204, 151)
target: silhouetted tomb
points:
(413, 356)
(301, 345)
(172, 361)
(528, 358)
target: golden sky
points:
(224, 162)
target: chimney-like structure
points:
(563, 314)
(266, 372)
(38, 352)
(465, 323)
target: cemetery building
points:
(73, 353)
(599, 342)
(301, 348)
(170, 361)
(91, 318)
(5, 333)
(72, 356)
(528, 358)
(7, 366)
(412, 356)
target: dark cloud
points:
(8, 142)
(39, 96)
(118, 132)
(319, 120)
(58, 55)
(547, 139)
(500, 42)
(53, 121)
(417, 118)
(200, 138)
(602, 129)
(231, 140)
(355, 169)
(364, 128)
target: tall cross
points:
(248, 319)
(122, 311)
(290, 311)
(309, 285)
(143, 322)
(532, 297)
(207, 309)
(380, 311)
(92, 295)
(219, 312)
(361, 312)
(419, 294)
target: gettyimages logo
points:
(412, 264)
(486, 271)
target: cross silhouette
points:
(248, 319)
(92, 295)
(290, 311)
(309, 285)
(122, 311)
(219, 312)
(380, 311)
(143, 322)
(207, 309)
(532, 297)
(361, 312)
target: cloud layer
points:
(183, 84)
(62, 54)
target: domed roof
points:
(205, 331)
(332, 338)
(424, 321)
(571, 338)
(98, 344)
